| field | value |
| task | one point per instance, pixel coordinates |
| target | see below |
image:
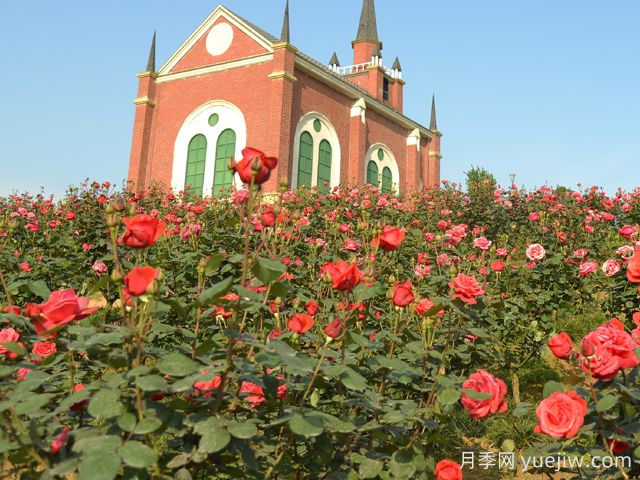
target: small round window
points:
(317, 125)
(380, 154)
(213, 119)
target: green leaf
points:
(449, 396)
(475, 395)
(32, 402)
(370, 468)
(353, 380)
(551, 387)
(127, 422)
(96, 443)
(152, 383)
(308, 425)
(147, 425)
(211, 294)
(243, 430)
(39, 288)
(268, 271)
(106, 404)
(214, 440)
(177, 365)
(99, 466)
(138, 455)
(212, 265)
(607, 402)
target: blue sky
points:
(547, 89)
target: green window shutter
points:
(225, 150)
(305, 160)
(324, 166)
(372, 173)
(387, 180)
(196, 159)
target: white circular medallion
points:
(219, 39)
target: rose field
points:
(341, 335)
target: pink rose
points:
(62, 307)
(535, 252)
(561, 346)
(482, 243)
(610, 267)
(607, 350)
(587, 268)
(561, 415)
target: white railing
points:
(362, 67)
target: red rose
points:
(466, 288)
(59, 441)
(389, 239)
(252, 158)
(256, 392)
(483, 382)
(561, 346)
(311, 307)
(142, 231)
(448, 470)
(498, 266)
(403, 294)
(44, 349)
(344, 276)
(62, 307)
(138, 280)
(607, 350)
(210, 384)
(424, 306)
(633, 268)
(334, 329)
(561, 415)
(268, 216)
(300, 323)
(8, 335)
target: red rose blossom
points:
(255, 158)
(334, 329)
(607, 350)
(633, 268)
(138, 280)
(561, 415)
(448, 470)
(300, 323)
(483, 382)
(389, 239)
(403, 294)
(466, 288)
(62, 307)
(344, 276)
(142, 231)
(561, 346)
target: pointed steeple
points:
(396, 65)
(151, 64)
(368, 27)
(334, 60)
(285, 36)
(433, 126)
(377, 52)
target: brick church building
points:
(232, 85)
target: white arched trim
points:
(328, 133)
(388, 161)
(229, 116)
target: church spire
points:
(334, 60)
(285, 36)
(434, 122)
(151, 64)
(368, 27)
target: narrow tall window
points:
(372, 173)
(385, 89)
(305, 160)
(196, 159)
(225, 150)
(387, 180)
(324, 167)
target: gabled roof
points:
(262, 37)
(316, 68)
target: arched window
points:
(324, 167)
(305, 160)
(387, 180)
(225, 150)
(196, 159)
(372, 173)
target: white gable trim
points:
(219, 12)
